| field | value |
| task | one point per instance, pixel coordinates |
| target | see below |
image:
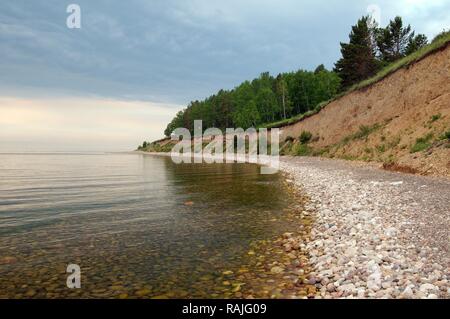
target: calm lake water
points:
(137, 225)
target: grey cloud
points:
(175, 51)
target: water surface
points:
(138, 225)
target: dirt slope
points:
(383, 122)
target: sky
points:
(121, 77)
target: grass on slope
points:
(440, 42)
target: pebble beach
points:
(375, 234)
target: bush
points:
(447, 135)
(305, 137)
(421, 144)
(419, 147)
(302, 150)
(435, 117)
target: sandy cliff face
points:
(412, 103)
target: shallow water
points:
(137, 225)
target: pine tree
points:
(319, 69)
(415, 43)
(358, 60)
(393, 40)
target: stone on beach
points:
(365, 235)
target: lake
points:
(139, 226)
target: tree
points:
(326, 85)
(246, 112)
(268, 99)
(247, 116)
(299, 84)
(267, 105)
(283, 99)
(358, 60)
(393, 40)
(178, 121)
(320, 68)
(416, 43)
(225, 108)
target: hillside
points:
(400, 121)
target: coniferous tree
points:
(268, 99)
(320, 68)
(416, 43)
(393, 40)
(358, 60)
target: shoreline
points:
(372, 238)
(375, 233)
(280, 264)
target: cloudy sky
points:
(133, 64)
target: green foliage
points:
(394, 40)
(292, 97)
(307, 89)
(263, 100)
(302, 150)
(447, 135)
(441, 36)
(416, 43)
(363, 132)
(299, 117)
(435, 118)
(246, 115)
(143, 146)
(178, 121)
(305, 137)
(421, 144)
(371, 48)
(157, 147)
(319, 69)
(404, 62)
(358, 60)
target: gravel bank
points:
(376, 234)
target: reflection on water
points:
(138, 225)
